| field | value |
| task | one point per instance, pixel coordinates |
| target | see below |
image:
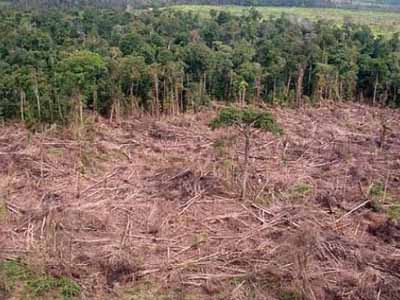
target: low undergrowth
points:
(18, 281)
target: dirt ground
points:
(148, 209)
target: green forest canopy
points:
(59, 62)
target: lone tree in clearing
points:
(246, 120)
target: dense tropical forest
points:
(53, 62)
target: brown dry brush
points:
(159, 201)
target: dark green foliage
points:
(230, 116)
(55, 63)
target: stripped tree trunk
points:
(299, 85)
(95, 100)
(177, 101)
(288, 85)
(80, 107)
(258, 89)
(375, 89)
(273, 91)
(22, 97)
(247, 136)
(36, 92)
(59, 107)
(156, 104)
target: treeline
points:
(383, 4)
(124, 4)
(57, 64)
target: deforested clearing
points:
(151, 209)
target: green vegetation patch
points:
(393, 212)
(17, 281)
(381, 22)
(290, 295)
(3, 210)
(229, 116)
(376, 190)
(299, 192)
(11, 273)
(149, 291)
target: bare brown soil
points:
(150, 209)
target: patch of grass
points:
(228, 164)
(393, 212)
(34, 286)
(69, 289)
(56, 152)
(299, 191)
(381, 22)
(149, 291)
(379, 196)
(290, 295)
(377, 189)
(3, 210)
(235, 281)
(12, 272)
(172, 158)
(264, 200)
(37, 286)
(302, 189)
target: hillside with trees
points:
(59, 63)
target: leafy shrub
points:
(230, 116)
